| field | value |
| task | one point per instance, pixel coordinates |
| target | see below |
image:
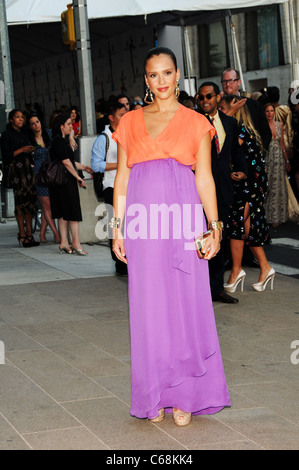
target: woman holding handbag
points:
(16, 153)
(65, 200)
(176, 364)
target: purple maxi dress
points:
(175, 354)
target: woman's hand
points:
(73, 143)
(118, 247)
(88, 169)
(235, 106)
(81, 183)
(212, 245)
(28, 149)
(287, 166)
(237, 175)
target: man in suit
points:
(231, 83)
(228, 163)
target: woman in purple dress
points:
(176, 364)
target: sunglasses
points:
(231, 81)
(209, 96)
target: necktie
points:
(216, 139)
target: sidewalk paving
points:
(65, 383)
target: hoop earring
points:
(148, 94)
(177, 90)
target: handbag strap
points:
(107, 144)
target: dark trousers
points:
(120, 267)
(217, 264)
(217, 268)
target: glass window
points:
(263, 38)
(213, 55)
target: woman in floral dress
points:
(277, 165)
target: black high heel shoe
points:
(32, 241)
(24, 242)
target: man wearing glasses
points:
(230, 84)
(226, 153)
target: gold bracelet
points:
(114, 222)
(216, 225)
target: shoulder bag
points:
(51, 173)
(98, 176)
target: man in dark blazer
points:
(228, 163)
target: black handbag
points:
(51, 173)
(98, 176)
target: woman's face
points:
(35, 124)
(66, 128)
(17, 121)
(73, 115)
(269, 111)
(224, 107)
(161, 76)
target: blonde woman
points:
(247, 222)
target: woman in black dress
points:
(65, 200)
(16, 153)
(247, 222)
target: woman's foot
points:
(23, 241)
(159, 418)
(234, 275)
(77, 249)
(32, 241)
(42, 238)
(65, 249)
(264, 272)
(181, 418)
(57, 238)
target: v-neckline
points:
(165, 128)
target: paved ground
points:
(65, 380)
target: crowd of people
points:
(26, 146)
(255, 168)
(227, 154)
(272, 127)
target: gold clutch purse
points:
(200, 243)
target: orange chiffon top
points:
(179, 140)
